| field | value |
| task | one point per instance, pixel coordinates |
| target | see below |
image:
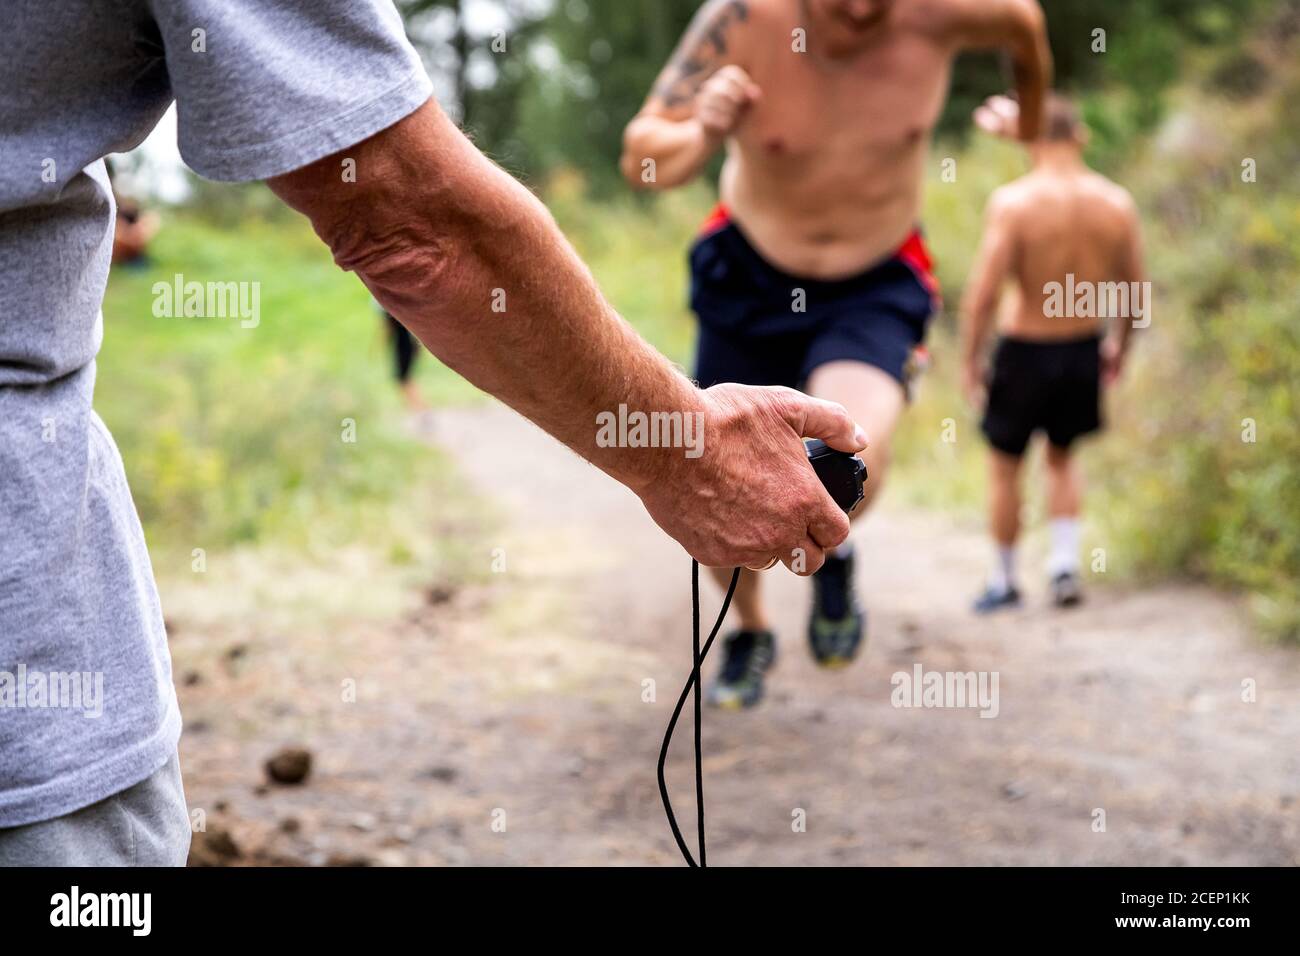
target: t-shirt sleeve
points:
(264, 87)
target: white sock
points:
(1003, 576)
(1064, 556)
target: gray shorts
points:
(144, 825)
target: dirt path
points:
(522, 701)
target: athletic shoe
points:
(747, 656)
(1066, 590)
(836, 625)
(995, 599)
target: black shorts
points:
(1052, 386)
(759, 325)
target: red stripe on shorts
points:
(718, 219)
(914, 254)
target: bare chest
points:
(881, 106)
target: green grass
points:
(234, 436)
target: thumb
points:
(754, 92)
(815, 418)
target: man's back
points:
(1070, 229)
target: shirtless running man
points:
(812, 272)
(1063, 235)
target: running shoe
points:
(746, 657)
(836, 625)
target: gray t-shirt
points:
(262, 87)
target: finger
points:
(828, 525)
(733, 89)
(715, 118)
(752, 558)
(722, 77)
(805, 559)
(754, 92)
(817, 418)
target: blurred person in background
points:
(405, 349)
(1061, 227)
(812, 272)
(133, 228)
(294, 92)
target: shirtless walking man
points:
(1065, 237)
(812, 272)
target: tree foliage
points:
(575, 71)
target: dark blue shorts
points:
(759, 325)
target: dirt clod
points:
(439, 594)
(291, 766)
(213, 847)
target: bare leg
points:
(875, 400)
(747, 600)
(1064, 484)
(412, 397)
(1004, 526)
(837, 624)
(1004, 498)
(1064, 495)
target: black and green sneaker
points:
(746, 657)
(837, 625)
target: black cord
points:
(698, 656)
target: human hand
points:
(724, 100)
(752, 495)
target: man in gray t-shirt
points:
(296, 92)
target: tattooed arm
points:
(701, 96)
(1020, 28)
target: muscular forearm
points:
(677, 151)
(556, 352)
(473, 264)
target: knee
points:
(877, 456)
(1058, 459)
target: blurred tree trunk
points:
(460, 43)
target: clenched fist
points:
(724, 99)
(753, 496)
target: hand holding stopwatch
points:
(841, 474)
